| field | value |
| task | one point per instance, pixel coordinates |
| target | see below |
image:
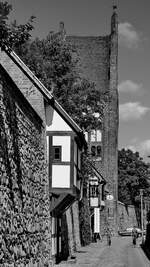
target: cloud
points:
(132, 111)
(128, 36)
(129, 86)
(143, 147)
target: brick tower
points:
(110, 127)
(98, 63)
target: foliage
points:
(54, 62)
(148, 216)
(12, 34)
(132, 176)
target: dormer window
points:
(93, 190)
(57, 153)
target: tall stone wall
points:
(93, 53)
(126, 216)
(72, 215)
(76, 225)
(24, 196)
(19, 74)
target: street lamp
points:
(141, 194)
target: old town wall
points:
(24, 205)
(126, 216)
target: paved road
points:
(123, 254)
(136, 257)
(120, 254)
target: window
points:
(57, 153)
(96, 151)
(99, 151)
(96, 136)
(93, 190)
(93, 151)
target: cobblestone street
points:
(120, 254)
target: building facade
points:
(65, 142)
(96, 202)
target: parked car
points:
(128, 232)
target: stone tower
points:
(98, 63)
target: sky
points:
(92, 17)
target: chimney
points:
(114, 20)
(62, 30)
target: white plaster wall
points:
(75, 162)
(54, 245)
(94, 201)
(86, 136)
(96, 220)
(64, 142)
(55, 121)
(94, 181)
(61, 176)
(99, 136)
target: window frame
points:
(60, 153)
(93, 191)
(93, 153)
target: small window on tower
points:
(99, 151)
(93, 151)
(57, 153)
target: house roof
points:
(97, 174)
(49, 98)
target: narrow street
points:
(120, 254)
(123, 254)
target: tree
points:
(132, 176)
(13, 35)
(52, 60)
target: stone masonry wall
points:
(24, 198)
(76, 225)
(72, 215)
(15, 68)
(126, 216)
